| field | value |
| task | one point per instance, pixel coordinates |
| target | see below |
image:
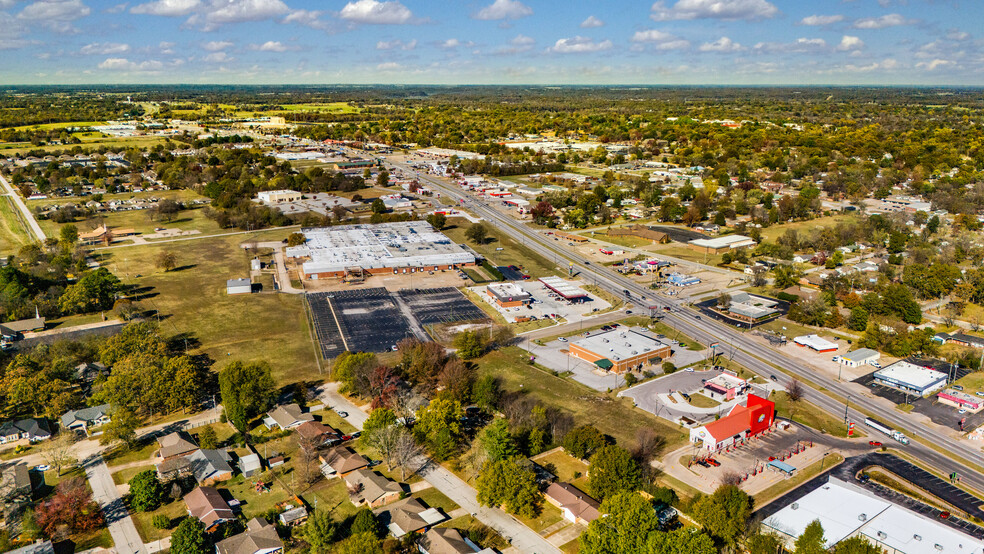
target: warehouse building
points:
(620, 350)
(383, 248)
(509, 295)
(277, 196)
(719, 245)
(860, 357)
(909, 377)
(846, 510)
(816, 343)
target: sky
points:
(550, 42)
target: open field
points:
(776, 231)
(512, 253)
(677, 250)
(88, 143)
(264, 326)
(13, 233)
(613, 416)
(182, 195)
(627, 241)
(807, 414)
(62, 125)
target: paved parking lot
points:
(661, 397)
(544, 304)
(441, 305)
(941, 414)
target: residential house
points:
(210, 466)
(207, 504)
(408, 516)
(286, 416)
(315, 432)
(15, 483)
(370, 488)
(340, 461)
(173, 468)
(294, 517)
(447, 540)
(32, 429)
(89, 372)
(259, 538)
(575, 504)
(40, 547)
(963, 339)
(176, 444)
(86, 418)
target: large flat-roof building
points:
(399, 247)
(619, 350)
(278, 196)
(508, 295)
(751, 308)
(719, 245)
(845, 510)
(909, 377)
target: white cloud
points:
(504, 9)
(519, 44)
(881, 22)
(269, 46)
(956, 34)
(378, 13)
(166, 47)
(388, 66)
(123, 64)
(730, 10)
(579, 45)
(799, 45)
(850, 43)
(307, 18)
(932, 65)
(723, 44)
(216, 45)
(169, 8)
(54, 11)
(394, 44)
(220, 12)
(104, 48)
(660, 39)
(886, 64)
(815, 20)
(591, 22)
(118, 8)
(218, 57)
(451, 43)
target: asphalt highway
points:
(746, 351)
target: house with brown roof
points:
(207, 504)
(575, 504)
(340, 461)
(174, 468)
(315, 434)
(408, 516)
(446, 540)
(286, 416)
(370, 488)
(259, 538)
(175, 444)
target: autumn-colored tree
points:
(71, 507)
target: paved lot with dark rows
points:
(369, 319)
(329, 335)
(441, 305)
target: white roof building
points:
(727, 241)
(845, 510)
(910, 377)
(815, 342)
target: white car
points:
(562, 339)
(689, 370)
(43, 468)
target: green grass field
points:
(63, 125)
(677, 250)
(13, 233)
(88, 143)
(566, 467)
(628, 242)
(614, 416)
(512, 253)
(803, 227)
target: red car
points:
(874, 443)
(944, 515)
(714, 462)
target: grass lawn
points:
(436, 499)
(614, 416)
(565, 467)
(677, 250)
(471, 527)
(807, 414)
(802, 475)
(140, 453)
(626, 241)
(255, 502)
(549, 515)
(88, 143)
(615, 301)
(331, 494)
(13, 233)
(775, 231)
(512, 253)
(124, 475)
(99, 538)
(62, 125)
(674, 334)
(782, 326)
(701, 401)
(332, 419)
(572, 547)
(176, 510)
(972, 382)
(267, 326)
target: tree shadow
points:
(184, 267)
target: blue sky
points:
(930, 42)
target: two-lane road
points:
(22, 207)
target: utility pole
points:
(846, 404)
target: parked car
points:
(341, 413)
(979, 393)
(874, 443)
(773, 377)
(562, 339)
(44, 467)
(714, 462)
(957, 387)
(944, 515)
(689, 370)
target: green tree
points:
(365, 522)
(362, 543)
(763, 543)
(320, 532)
(477, 233)
(353, 369)
(629, 523)
(469, 345)
(497, 441)
(96, 290)
(382, 179)
(146, 491)
(296, 239)
(856, 545)
(207, 439)
(438, 221)
(190, 538)
(858, 321)
(378, 207)
(161, 521)
(69, 234)
(247, 391)
(612, 470)
(510, 484)
(582, 441)
(681, 541)
(380, 418)
(167, 260)
(811, 540)
(122, 427)
(439, 426)
(785, 276)
(486, 392)
(724, 513)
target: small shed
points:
(239, 286)
(250, 465)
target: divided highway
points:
(746, 351)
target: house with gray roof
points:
(259, 538)
(86, 418)
(210, 466)
(286, 416)
(32, 429)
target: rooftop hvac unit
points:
(917, 537)
(882, 535)
(794, 506)
(863, 517)
(938, 546)
(634, 352)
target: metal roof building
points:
(563, 288)
(907, 376)
(815, 342)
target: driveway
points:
(519, 536)
(118, 520)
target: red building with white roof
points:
(742, 422)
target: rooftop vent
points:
(862, 517)
(794, 506)
(938, 546)
(882, 535)
(917, 537)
